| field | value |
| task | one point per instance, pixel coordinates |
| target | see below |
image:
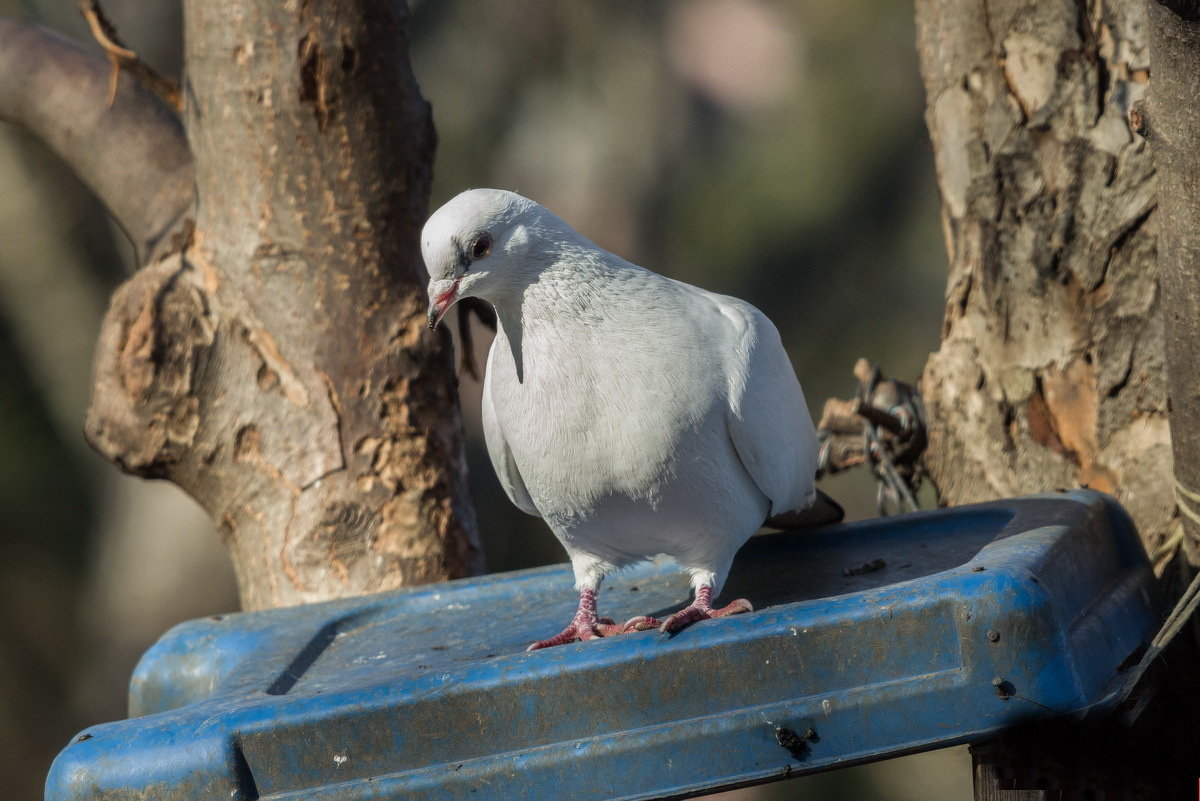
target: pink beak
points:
(442, 295)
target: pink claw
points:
(640, 623)
(702, 609)
(587, 626)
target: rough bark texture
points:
(1173, 128)
(1050, 372)
(272, 358)
(1052, 369)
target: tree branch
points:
(134, 155)
(121, 57)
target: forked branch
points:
(122, 58)
(133, 154)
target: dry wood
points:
(121, 57)
(1050, 373)
(272, 358)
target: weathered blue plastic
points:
(981, 617)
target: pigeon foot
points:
(580, 630)
(587, 626)
(640, 623)
(702, 609)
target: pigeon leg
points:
(702, 609)
(584, 626)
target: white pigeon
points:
(637, 415)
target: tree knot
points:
(153, 342)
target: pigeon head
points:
(481, 244)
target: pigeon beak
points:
(442, 295)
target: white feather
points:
(636, 414)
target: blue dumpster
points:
(871, 640)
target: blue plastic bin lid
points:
(872, 639)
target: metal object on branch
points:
(883, 425)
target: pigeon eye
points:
(481, 246)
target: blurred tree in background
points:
(774, 151)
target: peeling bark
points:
(272, 359)
(1052, 368)
(1050, 373)
(288, 333)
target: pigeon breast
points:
(611, 387)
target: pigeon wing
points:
(501, 456)
(768, 420)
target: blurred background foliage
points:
(771, 150)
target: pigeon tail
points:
(823, 511)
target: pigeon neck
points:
(508, 321)
(523, 309)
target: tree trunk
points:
(271, 359)
(1051, 368)
(1173, 129)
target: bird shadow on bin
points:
(777, 568)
